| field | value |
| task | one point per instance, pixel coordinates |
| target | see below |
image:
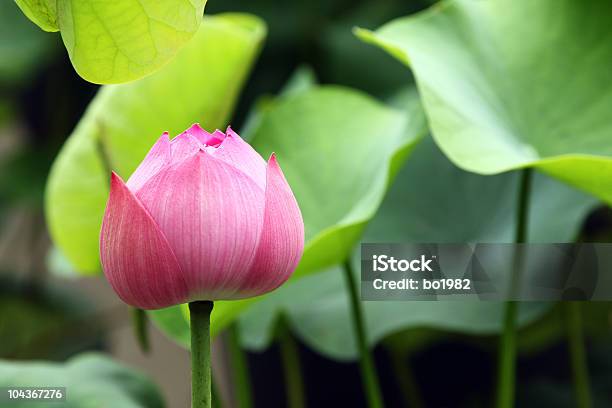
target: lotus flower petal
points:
(282, 238)
(157, 158)
(183, 147)
(242, 156)
(202, 218)
(136, 257)
(207, 139)
(212, 216)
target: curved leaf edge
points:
(544, 164)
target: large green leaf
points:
(201, 84)
(118, 41)
(508, 84)
(42, 12)
(431, 201)
(457, 206)
(325, 324)
(338, 149)
(91, 380)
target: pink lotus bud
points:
(202, 218)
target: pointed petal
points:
(136, 257)
(157, 158)
(282, 238)
(241, 155)
(212, 215)
(184, 146)
(208, 139)
(217, 137)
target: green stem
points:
(215, 394)
(506, 376)
(240, 370)
(403, 373)
(141, 328)
(507, 359)
(292, 368)
(368, 370)
(580, 372)
(522, 213)
(199, 312)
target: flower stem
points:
(368, 370)
(507, 359)
(240, 370)
(141, 329)
(199, 312)
(507, 348)
(580, 372)
(405, 377)
(216, 400)
(291, 367)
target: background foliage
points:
(372, 154)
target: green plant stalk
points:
(199, 313)
(506, 375)
(292, 368)
(368, 370)
(507, 359)
(240, 369)
(141, 329)
(575, 337)
(402, 370)
(215, 394)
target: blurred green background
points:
(427, 356)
